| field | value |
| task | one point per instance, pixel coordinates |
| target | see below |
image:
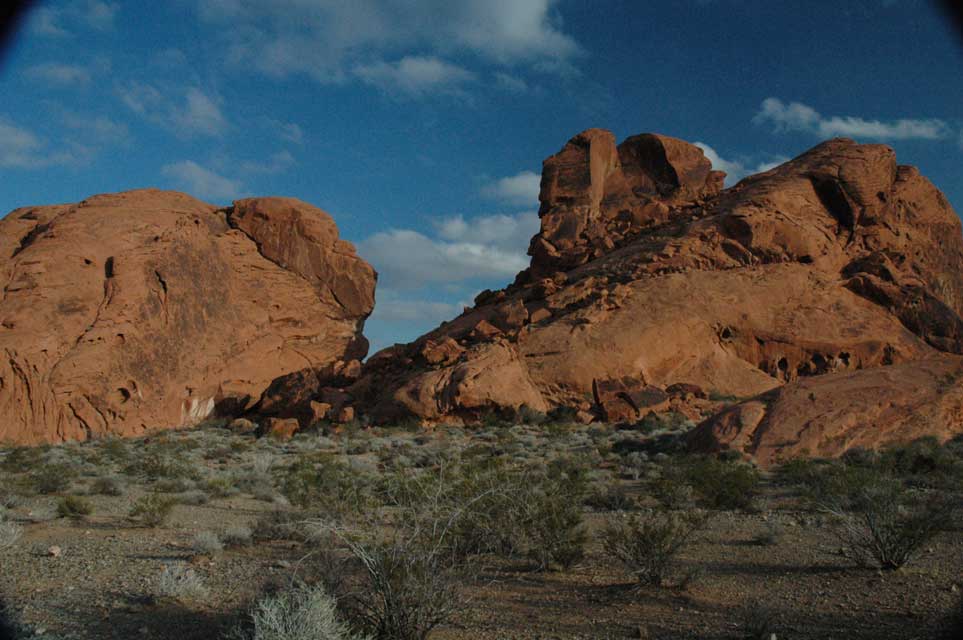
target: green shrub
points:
(158, 466)
(107, 486)
(882, 523)
(74, 507)
(647, 545)
(152, 510)
(52, 478)
(722, 485)
(758, 621)
(324, 483)
(610, 497)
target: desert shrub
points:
(8, 626)
(279, 525)
(74, 507)
(207, 543)
(181, 583)
(671, 488)
(237, 536)
(758, 621)
(880, 522)
(301, 613)
(610, 497)
(405, 583)
(647, 545)
(219, 487)
(953, 627)
(21, 459)
(925, 462)
(51, 478)
(152, 510)
(107, 486)
(770, 534)
(722, 485)
(115, 449)
(195, 497)
(324, 483)
(10, 532)
(527, 415)
(551, 515)
(157, 466)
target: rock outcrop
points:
(148, 309)
(646, 275)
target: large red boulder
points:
(150, 309)
(644, 269)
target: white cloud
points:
(201, 182)
(510, 83)
(325, 40)
(796, 116)
(100, 130)
(520, 189)
(193, 113)
(415, 76)
(486, 247)
(736, 170)
(509, 233)
(53, 73)
(21, 148)
(413, 310)
(200, 114)
(291, 132)
(276, 163)
(93, 14)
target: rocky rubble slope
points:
(651, 287)
(149, 309)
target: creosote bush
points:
(51, 478)
(882, 523)
(647, 545)
(74, 507)
(152, 510)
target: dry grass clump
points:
(10, 532)
(181, 583)
(207, 543)
(301, 613)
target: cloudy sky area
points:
(420, 125)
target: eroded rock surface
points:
(644, 269)
(150, 309)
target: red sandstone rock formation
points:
(149, 309)
(645, 270)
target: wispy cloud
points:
(520, 189)
(416, 76)
(21, 148)
(275, 163)
(192, 112)
(796, 116)
(737, 169)
(61, 21)
(202, 182)
(328, 41)
(58, 74)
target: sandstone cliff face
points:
(646, 276)
(148, 309)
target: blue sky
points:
(420, 125)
